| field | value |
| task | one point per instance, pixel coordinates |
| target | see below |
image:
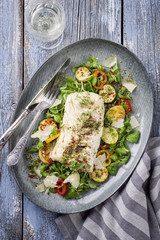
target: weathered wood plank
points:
(84, 19)
(11, 70)
(142, 36)
(37, 223)
(99, 19)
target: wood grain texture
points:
(37, 223)
(11, 70)
(84, 19)
(142, 36)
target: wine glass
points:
(45, 20)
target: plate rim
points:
(151, 122)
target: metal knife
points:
(37, 99)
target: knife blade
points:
(37, 99)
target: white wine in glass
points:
(45, 20)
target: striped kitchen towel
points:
(133, 212)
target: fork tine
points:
(49, 86)
(48, 90)
(56, 77)
(56, 87)
(53, 96)
(51, 93)
(55, 83)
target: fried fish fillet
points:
(82, 130)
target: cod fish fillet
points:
(82, 130)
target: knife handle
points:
(6, 136)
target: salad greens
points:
(37, 147)
(118, 153)
(133, 137)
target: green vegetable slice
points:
(44, 153)
(115, 113)
(44, 123)
(108, 93)
(110, 135)
(82, 74)
(99, 175)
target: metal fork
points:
(31, 105)
(48, 97)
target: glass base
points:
(52, 44)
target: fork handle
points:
(15, 154)
(6, 136)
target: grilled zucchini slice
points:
(99, 175)
(43, 124)
(45, 152)
(82, 74)
(108, 93)
(110, 135)
(115, 113)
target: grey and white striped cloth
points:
(131, 213)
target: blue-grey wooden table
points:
(133, 23)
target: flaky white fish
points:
(82, 130)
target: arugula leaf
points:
(52, 190)
(113, 65)
(71, 192)
(93, 184)
(57, 118)
(121, 132)
(37, 147)
(43, 170)
(133, 137)
(53, 133)
(53, 111)
(56, 112)
(71, 195)
(107, 122)
(124, 159)
(94, 80)
(116, 76)
(127, 125)
(124, 93)
(114, 157)
(75, 166)
(69, 79)
(93, 64)
(113, 168)
(121, 151)
(111, 77)
(62, 176)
